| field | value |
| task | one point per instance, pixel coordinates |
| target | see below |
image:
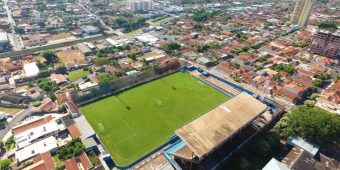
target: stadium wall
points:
(172, 139)
(104, 90)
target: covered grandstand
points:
(212, 138)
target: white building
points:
(147, 38)
(45, 145)
(31, 69)
(30, 135)
(140, 5)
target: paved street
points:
(14, 38)
(98, 18)
(19, 117)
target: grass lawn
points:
(59, 163)
(9, 110)
(132, 123)
(74, 75)
(134, 32)
(158, 20)
(61, 35)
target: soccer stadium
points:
(134, 122)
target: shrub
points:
(262, 148)
(72, 149)
(243, 163)
(36, 103)
(5, 163)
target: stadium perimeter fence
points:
(104, 90)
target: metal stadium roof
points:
(210, 130)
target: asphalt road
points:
(13, 37)
(51, 46)
(18, 118)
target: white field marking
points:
(101, 127)
(111, 136)
(124, 139)
(199, 96)
(127, 138)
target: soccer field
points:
(132, 123)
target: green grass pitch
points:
(132, 123)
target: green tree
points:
(243, 163)
(50, 56)
(203, 15)
(309, 103)
(317, 82)
(328, 25)
(314, 96)
(52, 96)
(214, 45)
(201, 48)
(72, 149)
(61, 70)
(277, 77)
(311, 123)
(132, 56)
(43, 74)
(171, 48)
(262, 148)
(101, 61)
(273, 138)
(245, 48)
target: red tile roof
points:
(73, 130)
(72, 108)
(64, 97)
(43, 161)
(74, 163)
(71, 164)
(85, 161)
(23, 127)
(59, 78)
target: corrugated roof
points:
(213, 128)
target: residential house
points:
(81, 162)
(47, 105)
(73, 130)
(14, 99)
(7, 66)
(331, 96)
(72, 109)
(45, 145)
(58, 79)
(323, 61)
(43, 161)
(29, 132)
(34, 93)
(300, 154)
(65, 96)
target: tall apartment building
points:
(140, 5)
(301, 12)
(326, 43)
(5, 44)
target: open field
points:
(133, 122)
(9, 110)
(74, 75)
(158, 20)
(61, 35)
